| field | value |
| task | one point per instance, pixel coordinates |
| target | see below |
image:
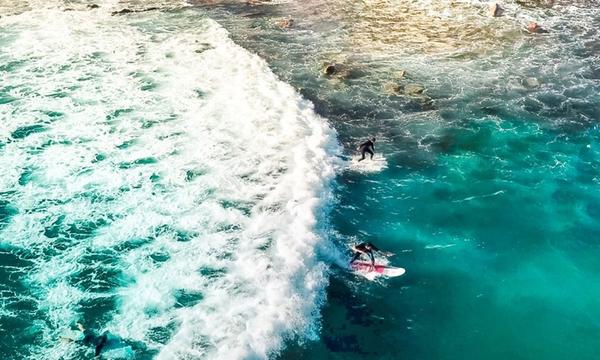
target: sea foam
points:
(169, 188)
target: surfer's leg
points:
(363, 155)
(370, 152)
(101, 344)
(355, 257)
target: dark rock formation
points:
(285, 23)
(495, 10)
(127, 11)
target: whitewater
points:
(158, 182)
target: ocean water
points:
(179, 177)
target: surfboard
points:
(378, 163)
(365, 268)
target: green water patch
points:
(65, 235)
(27, 176)
(131, 244)
(212, 273)
(53, 115)
(138, 162)
(55, 227)
(99, 157)
(11, 66)
(19, 305)
(96, 196)
(24, 131)
(187, 298)
(85, 229)
(148, 85)
(99, 273)
(174, 233)
(98, 309)
(7, 211)
(170, 135)
(98, 279)
(192, 174)
(126, 144)
(162, 334)
(160, 257)
(6, 98)
(115, 114)
(245, 207)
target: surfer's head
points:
(373, 139)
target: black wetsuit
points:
(363, 247)
(91, 339)
(366, 147)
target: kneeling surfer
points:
(366, 248)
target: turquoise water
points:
(133, 201)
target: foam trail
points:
(169, 186)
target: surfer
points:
(365, 248)
(90, 338)
(367, 147)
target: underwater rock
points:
(285, 23)
(392, 88)
(93, 6)
(536, 3)
(414, 89)
(337, 70)
(121, 12)
(535, 28)
(531, 82)
(424, 102)
(329, 69)
(495, 10)
(127, 11)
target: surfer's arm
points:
(357, 249)
(363, 145)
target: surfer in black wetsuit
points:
(90, 338)
(367, 248)
(367, 147)
(364, 248)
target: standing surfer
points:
(367, 147)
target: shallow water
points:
(132, 199)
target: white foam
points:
(377, 164)
(218, 112)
